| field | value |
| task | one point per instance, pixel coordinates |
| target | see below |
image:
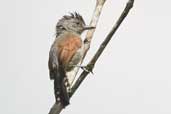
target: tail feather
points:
(60, 89)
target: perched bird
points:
(65, 54)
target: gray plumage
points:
(73, 22)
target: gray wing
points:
(53, 63)
(57, 73)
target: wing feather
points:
(68, 48)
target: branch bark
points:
(91, 64)
(57, 108)
(94, 21)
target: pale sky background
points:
(133, 75)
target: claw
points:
(84, 68)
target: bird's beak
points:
(88, 27)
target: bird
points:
(66, 54)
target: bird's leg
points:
(85, 68)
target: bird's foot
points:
(84, 68)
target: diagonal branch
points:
(94, 21)
(91, 64)
(57, 108)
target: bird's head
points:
(73, 23)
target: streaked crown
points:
(73, 22)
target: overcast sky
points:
(133, 75)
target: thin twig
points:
(94, 21)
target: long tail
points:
(60, 88)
